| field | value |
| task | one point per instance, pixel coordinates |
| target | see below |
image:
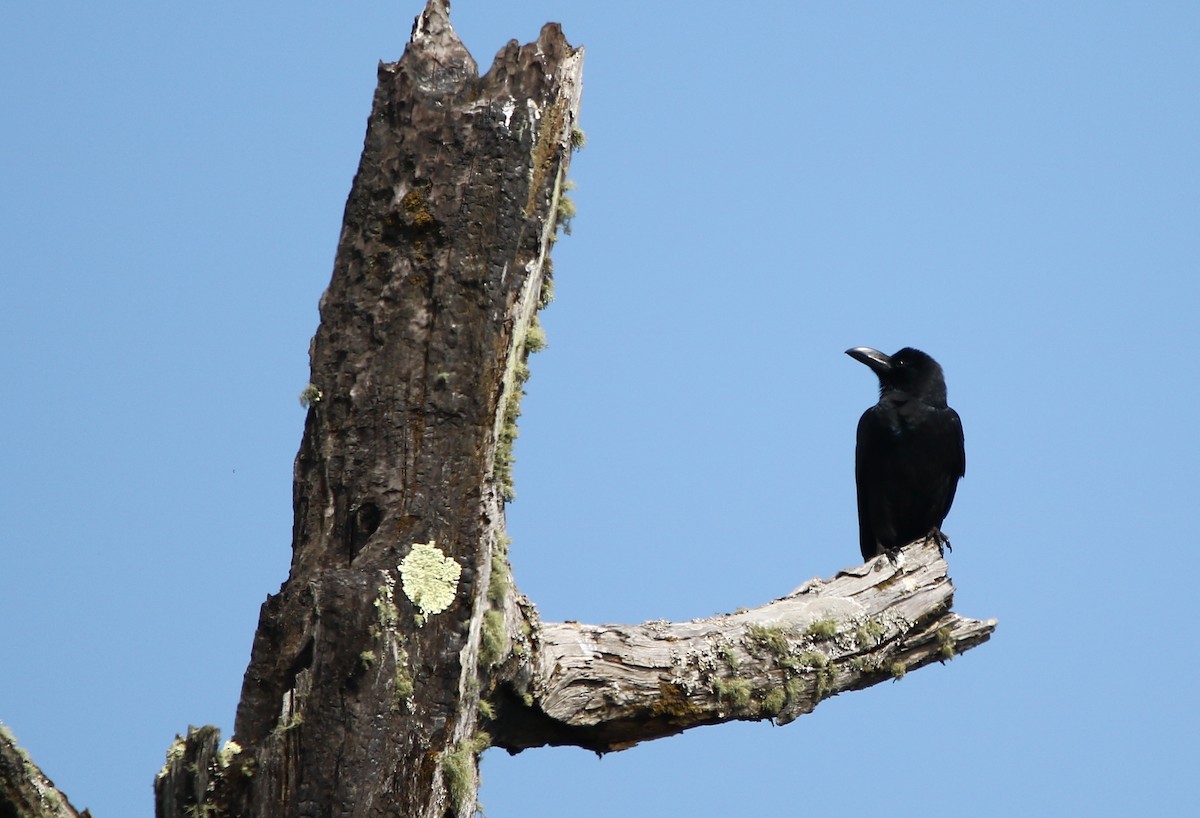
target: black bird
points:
(910, 453)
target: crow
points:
(910, 453)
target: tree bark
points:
(399, 648)
(362, 693)
(609, 687)
(25, 791)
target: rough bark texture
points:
(399, 647)
(358, 701)
(25, 791)
(609, 687)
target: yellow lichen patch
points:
(430, 578)
(417, 208)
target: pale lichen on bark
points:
(25, 791)
(371, 699)
(608, 687)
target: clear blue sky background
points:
(1013, 187)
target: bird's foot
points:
(943, 542)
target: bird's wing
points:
(876, 525)
(956, 459)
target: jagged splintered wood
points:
(25, 791)
(362, 693)
(399, 648)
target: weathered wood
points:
(25, 791)
(608, 687)
(399, 647)
(194, 765)
(362, 691)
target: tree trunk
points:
(398, 648)
(25, 791)
(362, 693)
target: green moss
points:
(493, 640)
(897, 669)
(386, 612)
(487, 710)
(508, 434)
(460, 765)
(945, 643)
(534, 340)
(535, 337)
(730, 656)
(869, 633)
(774, 701)
(733, 691)
(471, 687)
(578, 139)
(566, 213)
(367, 659)
(826, 680)
(311, 394)
(813, 659)
(546, 294)
(501, 578)
(770, 638)
(402, 685)
(822, 630)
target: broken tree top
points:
(399, 647)
(442, 63)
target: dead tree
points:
(25, 791)
(399, 647)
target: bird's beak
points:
(873, 358)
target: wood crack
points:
(596, 684)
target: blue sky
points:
(1014, 188)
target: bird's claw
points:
(943, 542)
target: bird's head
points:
(910, 371)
